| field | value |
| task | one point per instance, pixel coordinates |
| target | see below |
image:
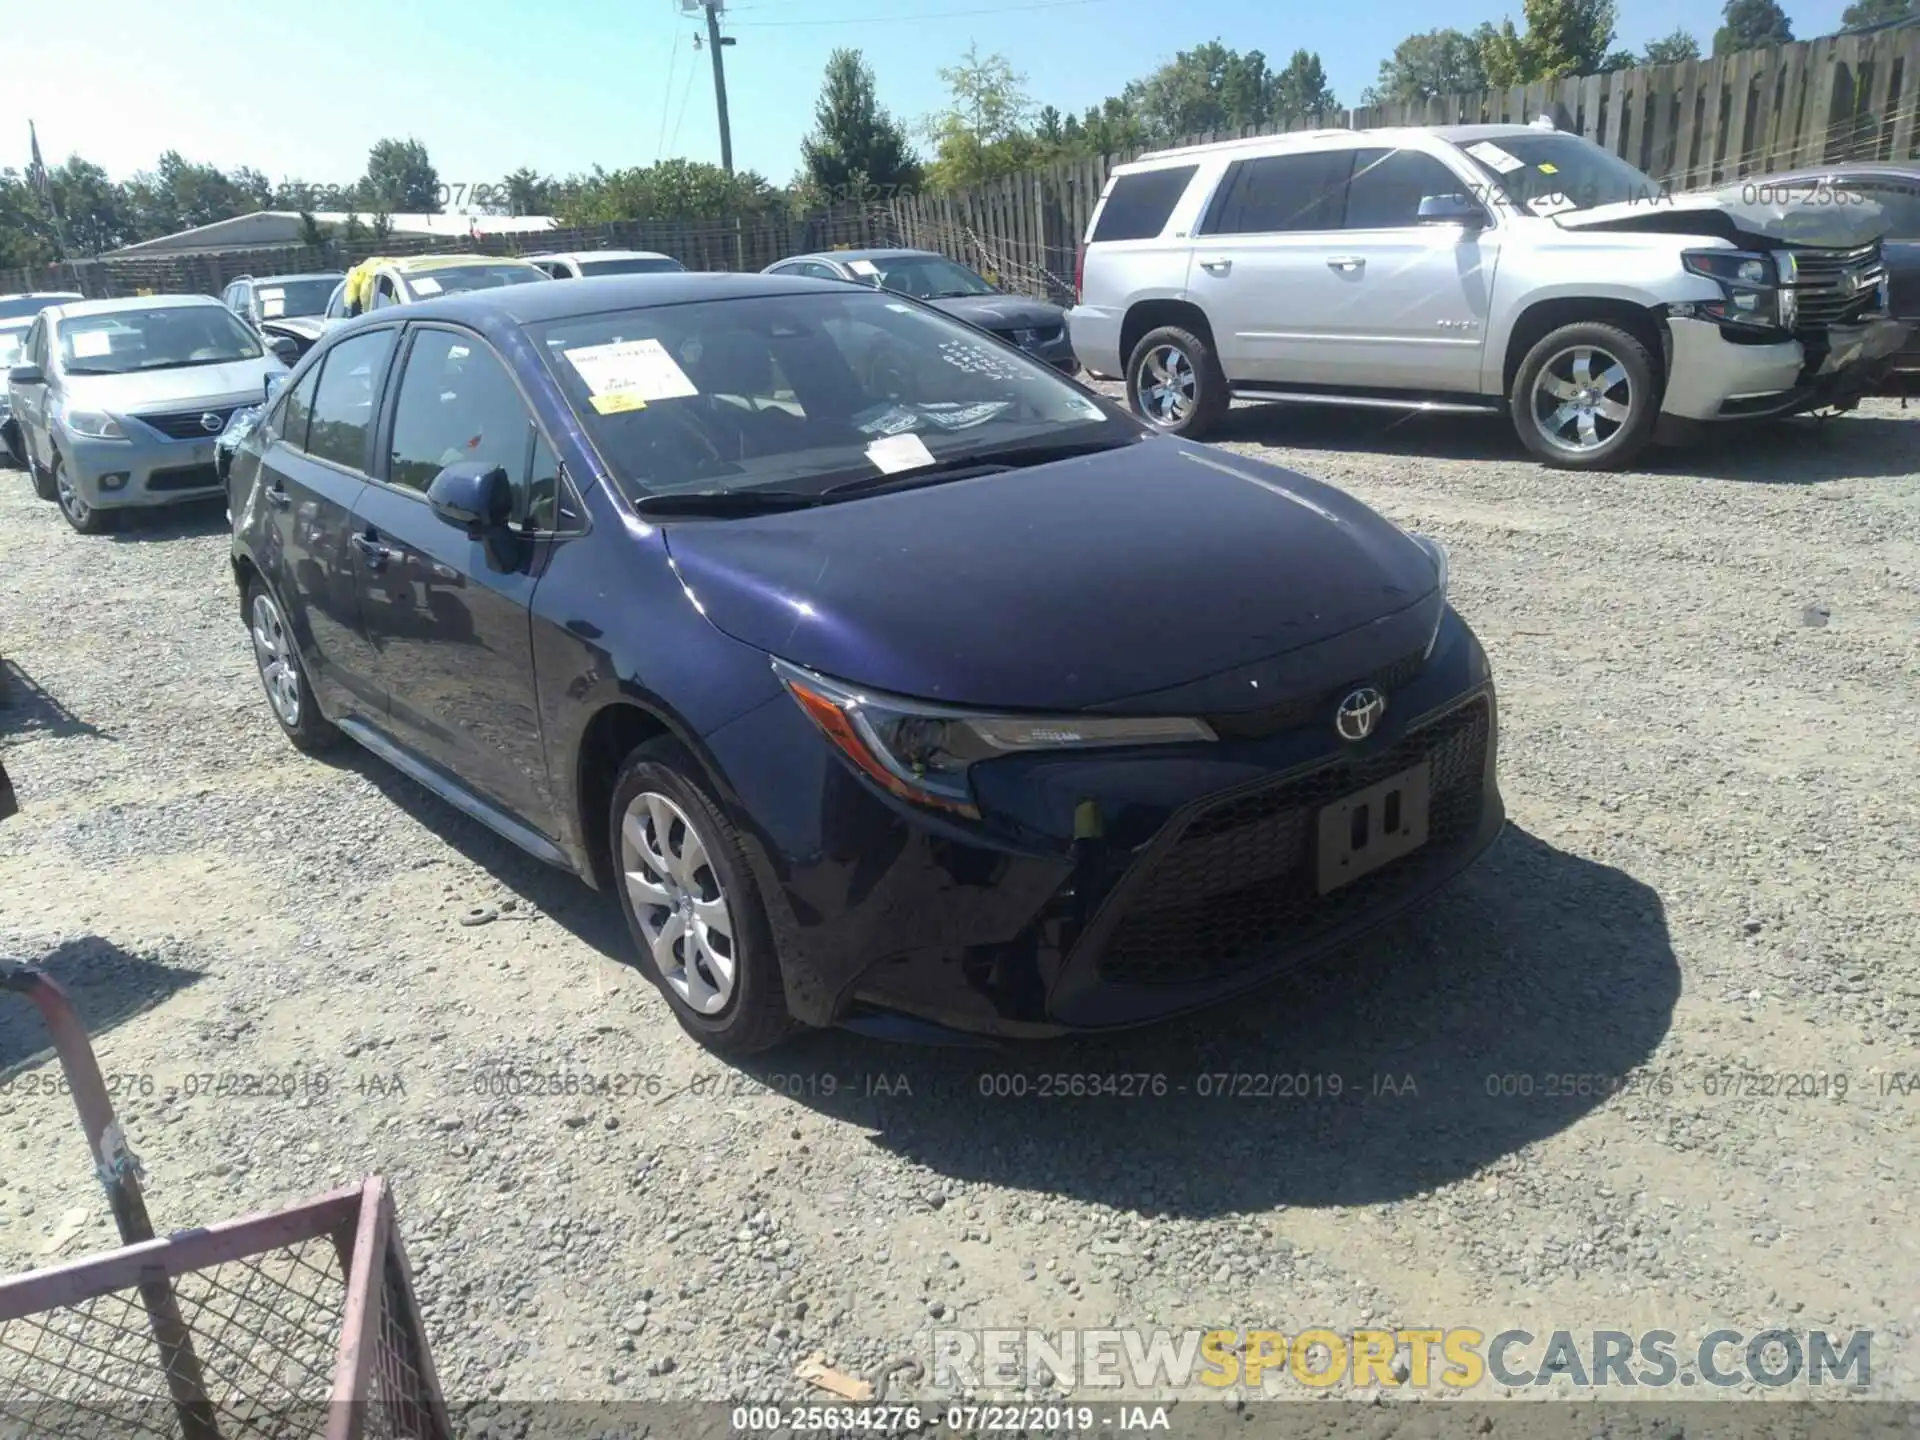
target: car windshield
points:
(456, 279)
(13, 307)
(278, 298)
(925, 277)
(799, 392)
(635, 265)
(11, 340)
(157, 339)
(1547, 173)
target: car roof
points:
(600, 294)
(409, 264)
(597, 255)
(289, 279)
(877, 253)
(45, 295)
(1395, 135)
(126, 303)
(1887, 169)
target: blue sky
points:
(302, 91)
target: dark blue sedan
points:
(888, 678)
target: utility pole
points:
(715, 42)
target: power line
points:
(666, 96)
(686, 92)
(871, 19)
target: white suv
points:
(1475, 268)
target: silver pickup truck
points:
(1492, 268)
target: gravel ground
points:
(1709, 675)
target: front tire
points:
(83, 517)
(691, 904)
(1586, 397)
(41, 477)
(282, 676)
(1175, 383)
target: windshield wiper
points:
(94, 370)
(963, 467)
(189, 364)
(724, 502)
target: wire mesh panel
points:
(295, 1324)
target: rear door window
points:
(1388, 186)
(1274, 194)
(343, 402)
(1138, 206)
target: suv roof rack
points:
(1245, 141)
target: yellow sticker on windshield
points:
(1546, 169)
(618, 403)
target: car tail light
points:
(1079, 273)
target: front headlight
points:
(93, 425)
(1749, 286)
(922, 752)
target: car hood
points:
(1001, 312)
(238, 380)
(1157, 572)
(305, 327)
(1735, 213)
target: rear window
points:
(1277, 193)
(1138, 205)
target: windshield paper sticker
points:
(894, 453)
(863, 267)
(426, 285)
(272, 305)
(1488, 153)
(629, 375)
(91, 343)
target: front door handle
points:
(1217, 267)
(1346, 262)
(277, 497)
(375, 554)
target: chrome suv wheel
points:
(1586, 397)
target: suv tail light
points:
(1079, 273)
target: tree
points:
(980, 134)
(1439, 62)
(1671, 49)
(180, 195)
(856, 146)
(92, 209)
(1865, 13)
(312, 234)
(527, 193)
(400, 179)
(1752, 25)
(1208, 88)
(675, 189)
(1563, 37)
(1301, 90)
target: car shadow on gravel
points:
(107, 985)
(1804, 450)
(193, 521)
(586, 914)
(1501, 1014)
(26, 708)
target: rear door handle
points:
(1346, 262)
(1217, 267)
(277, 497)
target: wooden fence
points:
(1701, 123)
(1697, 124)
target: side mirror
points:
(26, 375)
(474, 498)
(285, 349)
(275, 384)
(1453, 210)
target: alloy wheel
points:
(679, 901)
(1581, 398)
(273, 652)
(76, 509)
(1168, 387)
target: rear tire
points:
(1175, 383)
(1586, 397)
(282, 676)
(691, 904)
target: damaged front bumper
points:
(1716, 379)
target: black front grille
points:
(1305, 709)
(1836, 287)
(1236, 890)
(184, 477)
(186, 424)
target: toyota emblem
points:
(1359, 713)
(212, 423)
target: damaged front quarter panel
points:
(1753, 216)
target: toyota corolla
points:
(917, 696)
